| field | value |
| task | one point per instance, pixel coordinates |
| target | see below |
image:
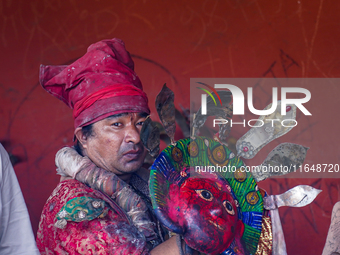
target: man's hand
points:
(169, 247)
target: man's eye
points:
(140, 123)
(205, 194)
(116, 124)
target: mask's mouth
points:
(218, 226)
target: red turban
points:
(97, 85)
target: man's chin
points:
(130, 167)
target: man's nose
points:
(132, 134)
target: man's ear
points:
(81, 137)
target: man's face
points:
(115, 144)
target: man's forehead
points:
(115, 116)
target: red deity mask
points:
(214, 212)
(207, 212)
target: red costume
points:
(90, 230)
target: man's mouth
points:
(132, 154)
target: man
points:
(16, 236)
(109, 108)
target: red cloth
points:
(106, 64)
(108, 92)
(111, 234)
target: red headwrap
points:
(97, 85)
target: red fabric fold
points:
(108, 92)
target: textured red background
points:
(171, 41)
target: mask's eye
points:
(229, 208)
(205, 194)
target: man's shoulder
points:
(67, 192)
(70, 189)
(74, 201)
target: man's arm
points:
(169, 247)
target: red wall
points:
(171, 41)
